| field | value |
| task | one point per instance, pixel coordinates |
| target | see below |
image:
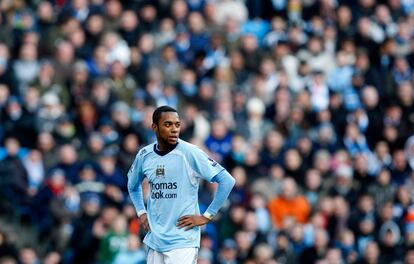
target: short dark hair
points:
(156, 116)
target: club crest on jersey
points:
(160, 171)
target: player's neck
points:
(165, 147)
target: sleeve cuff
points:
(141, 212)
(208, 215)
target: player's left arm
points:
(225, 185)
(135, 178)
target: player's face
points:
(167, 130)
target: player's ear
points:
(154, 127)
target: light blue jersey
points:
(173, 191)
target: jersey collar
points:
(163, 152)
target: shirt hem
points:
(166, 249)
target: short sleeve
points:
(205, 166)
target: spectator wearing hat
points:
(256, 126)
(390, 242)
(50, 111)
(343, 184)
(84, 242)
(63, 209)
(228, 252)
(79, 83)
(89, 182)
(14, 176)
(65, 131)
(18, 123)
(365, 233)
(115, 183)
(40, 206)
(284, 251)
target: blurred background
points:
(309, 104)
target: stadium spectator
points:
(288, 205)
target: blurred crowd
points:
(309, 104)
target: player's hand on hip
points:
(190, 221)
(144, 222)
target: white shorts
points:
(175, 256)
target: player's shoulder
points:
(145, 150)
(187, 146)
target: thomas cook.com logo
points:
(158, 190)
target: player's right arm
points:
(135, 178)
